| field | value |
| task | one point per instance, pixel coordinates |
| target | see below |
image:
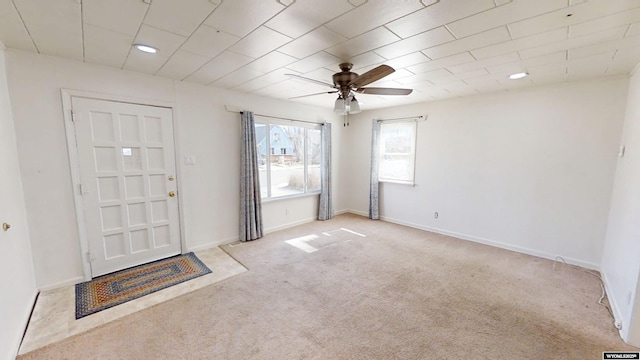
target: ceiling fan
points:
(346, 83)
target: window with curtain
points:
(397, 150)
(289, 155)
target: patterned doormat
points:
(114, 289)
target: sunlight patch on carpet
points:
(312, 243)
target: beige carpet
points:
(398, 293)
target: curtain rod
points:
(282, 118)
(416, 118)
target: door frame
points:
(74, 163)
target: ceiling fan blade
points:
(372, 75)
(311, 80)
(326, 92)
(384, 91)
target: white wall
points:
(17, 282)
(621, 254)
(530, 170)
(204, 129)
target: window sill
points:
(289, 197)
(401, 182)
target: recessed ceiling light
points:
(518, 75)
(146, 48)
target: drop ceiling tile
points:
(121, 16)
(415, 43)
(479, 64)
(603, 36)
(371, 15)
(179, 17)
(63, 41)
(166, 43)
(51, 13)
(363, 43)
(361, 63)
(634, 30)
(143, 62)
(270, 62)
(216, 68)
(521, 44)
(436, 15)
(472, 42)
(260, 42)
(580, 13)
(106, 47)
(515, 84)
(471, 74)
(426, 76)
(604, 23)
(182, 64)
(598, 63)
(306, 15)
(554, 76)
(460, 91)
(461, 58)
(625, 43)
(312, 42)
(527, 65)
(253, 14)
(209, 42)
(236, 78)
(321, 74)
(265, 80)
(503, 15)
(13, 34)
(407, 60)
(624, 61)
(313, 62)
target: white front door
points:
(127, 181)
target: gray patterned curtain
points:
(250, 202)
(325, 211)
(373, 184)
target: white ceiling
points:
(439, 48)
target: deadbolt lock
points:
(172, 193)
(6, 227)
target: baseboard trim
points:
(61, 284)
(615, 309)
(290, 225)
(213, 244)
(498, 244)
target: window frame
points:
(269, 122)
(412, 155)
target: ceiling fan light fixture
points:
(339, 105)
(146, 48)
(518, 75)
(354, 107)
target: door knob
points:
(172, 193)
(6, 226)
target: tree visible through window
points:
(292, 167)
(397, 152)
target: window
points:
(292, 167)
(397, 152)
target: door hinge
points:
(83, 190)
(90, 257)
(73, 116)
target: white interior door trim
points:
(74, 162)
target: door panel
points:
(127, 173)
